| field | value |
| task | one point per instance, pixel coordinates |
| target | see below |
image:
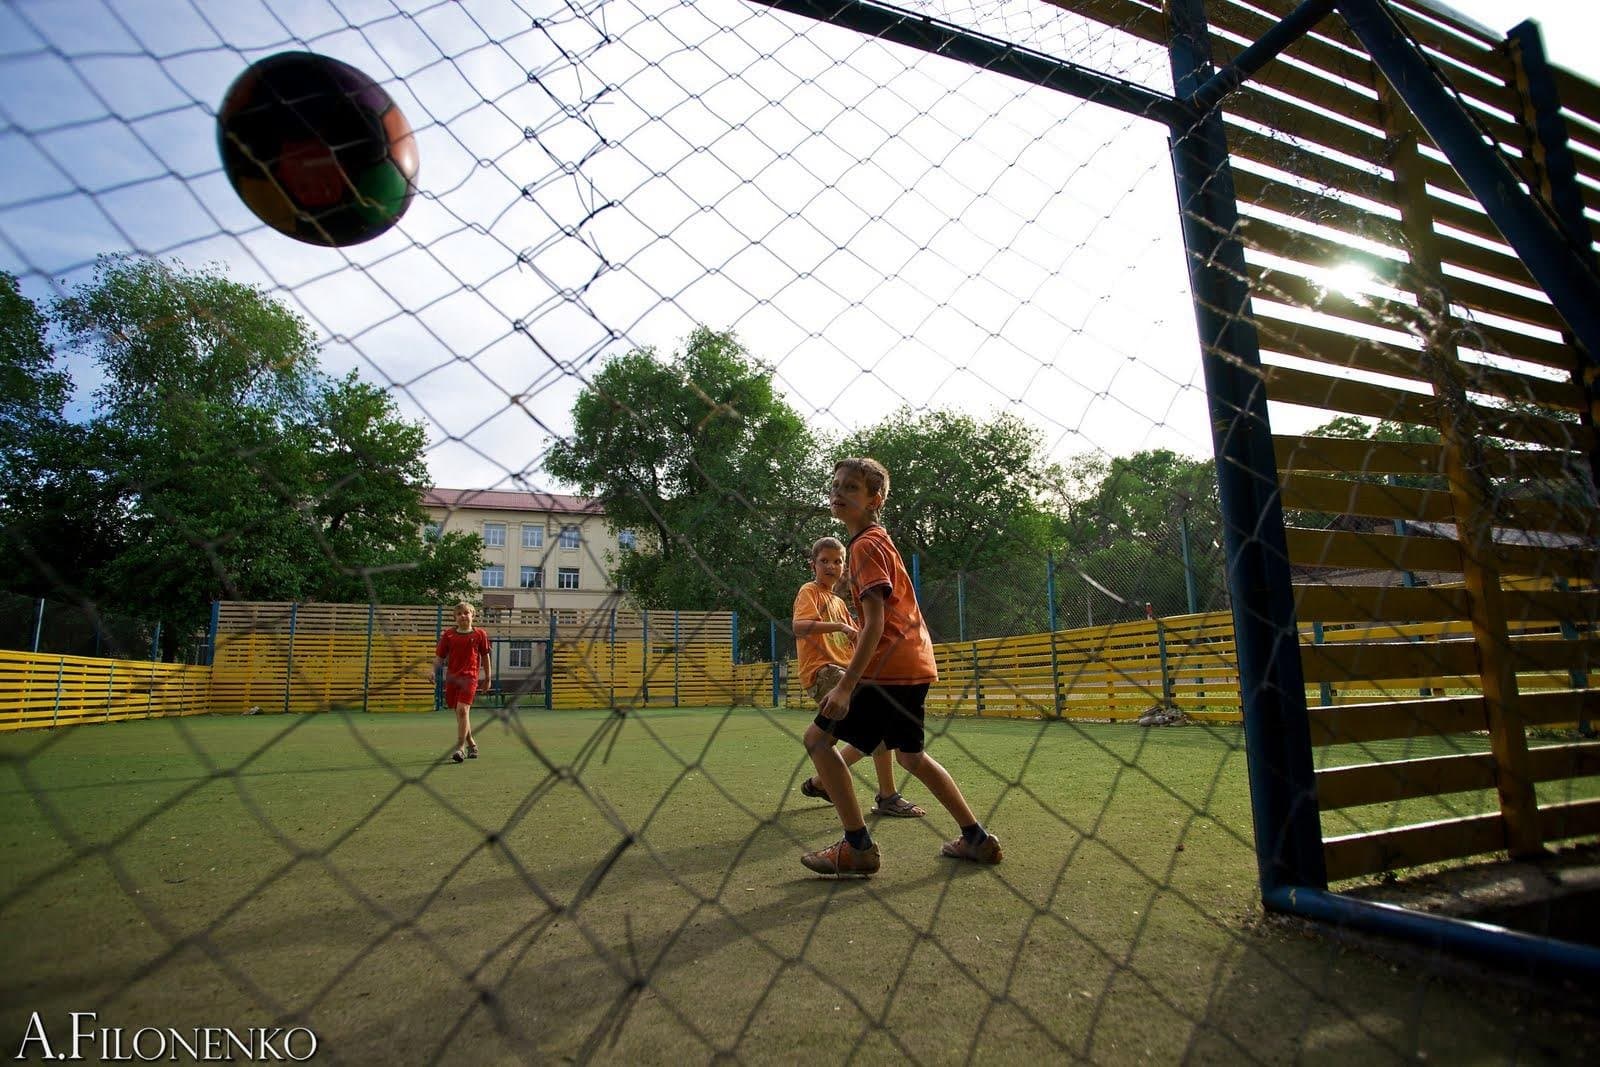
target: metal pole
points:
(1277, 730)
(1552, 160)
(38, 623)
(1565, 276)
(772, 638)
(550, 666)
(916, 577)
(733, 638)
(677, 661)
(211, 634)
(288, 674)
(438, 675)
(1188, 565)
(155, 643)
(366, 670)
(1050, 591)
(1325, 689)
(961, 606)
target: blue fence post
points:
(438, 675)
(211, 633)
(61, 669)
(611, 675)
(1050, 590)
(38, 623)
(550, 666)
(155, 643)
(1188, 565)
(916, 576)
(1161, 657)
(733, 638)
(772, 638)
(1288, 834)
(1324, 688)
(366, 670)
(961, 606)
(644, 664)
(288, 674)
(677, 662)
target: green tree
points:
(1126, 532)
(60, 521)
(969, 502)
(226, 462)
(700, 454)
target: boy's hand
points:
(849, 630)
(835, 703)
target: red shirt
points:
(462, 651)
(904, 655)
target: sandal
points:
(898, 806)
(456, 756)
(472, 750)
(810, 789)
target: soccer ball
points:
(317, 149)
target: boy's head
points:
(860, 485)
(463, 615)
(827, 561)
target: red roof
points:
(504, 500)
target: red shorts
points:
(459, 691)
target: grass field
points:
(627, 889)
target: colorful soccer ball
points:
(317, 149)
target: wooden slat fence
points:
(43, 690)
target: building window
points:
(532, 536)
(532, 577)
(521, 655)
(432, 531)
(627, 540)
(494, 534)
(567, 578)
(569, 537)
(494, 577)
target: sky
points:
(882, 227)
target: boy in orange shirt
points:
(880, 698)
(824, 638)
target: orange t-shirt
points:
(817, 650)
(904, 655)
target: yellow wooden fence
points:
(43, 690)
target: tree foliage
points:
(219, 461)
(700, 454)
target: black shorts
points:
(891, 714)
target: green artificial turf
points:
(626, 888)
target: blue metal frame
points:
(1278, 745)
(1272, 686)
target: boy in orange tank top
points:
(881, 696)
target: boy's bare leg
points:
(833, 774)
(851, 756)
(463, 725)
(883, 762)
(930, 773)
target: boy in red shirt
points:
(824, 637)
(461, 651)
(880, 698)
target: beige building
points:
(542, 551)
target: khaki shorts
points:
(828, 675)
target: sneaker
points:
(808, 788)
(456, 756)
(472, 750)
(897, 806)
(985, 851)
(842, 860)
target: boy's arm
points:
(483, 658)
(836, 703)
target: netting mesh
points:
(679, 257)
